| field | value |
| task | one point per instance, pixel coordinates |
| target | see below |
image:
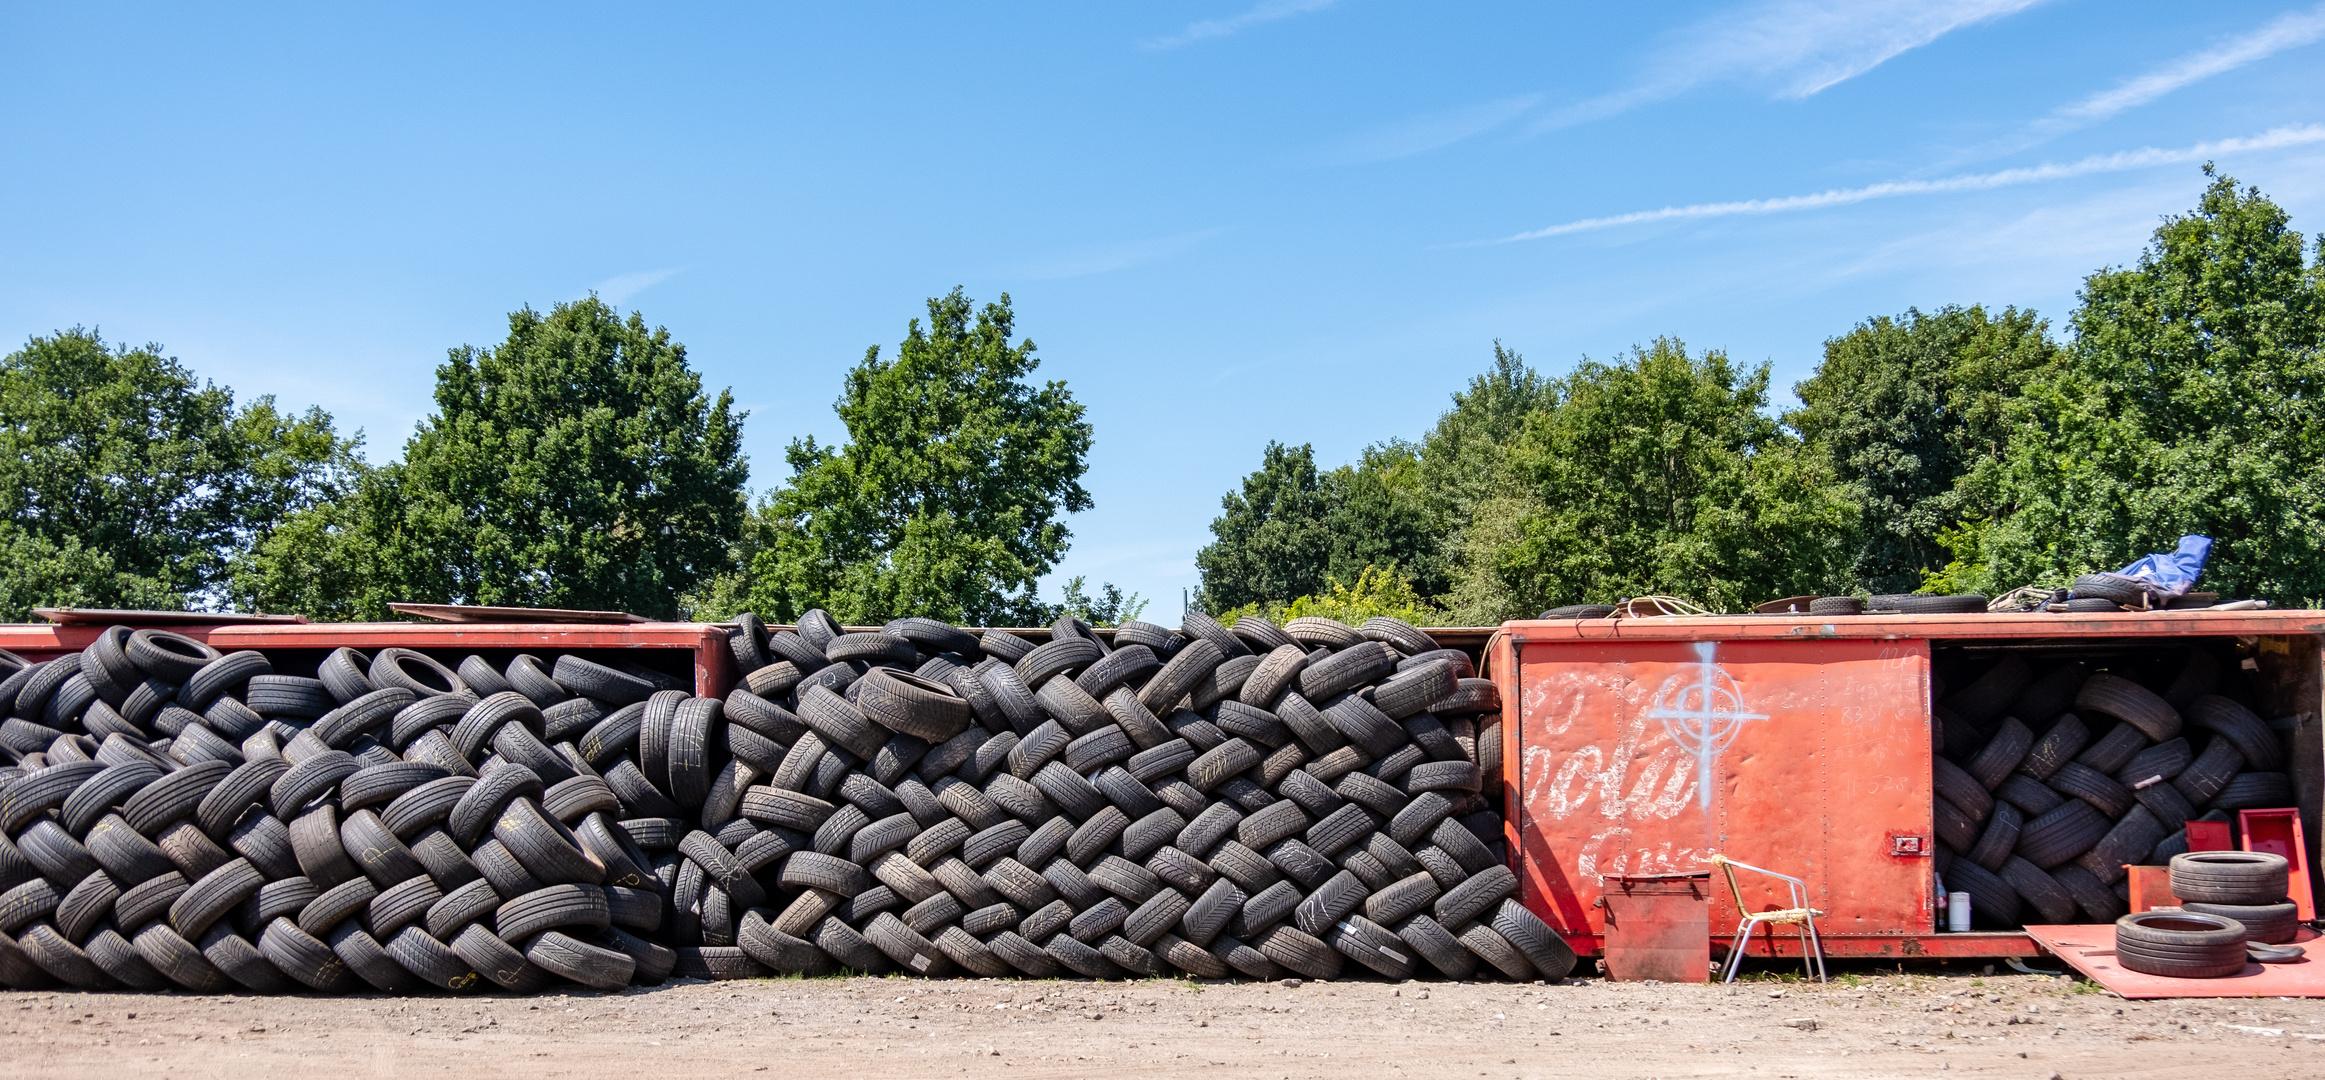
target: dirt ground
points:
(1867, 1023)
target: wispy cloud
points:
(2285, 32)
(1424, 133)
(620, 288)
(2145, 158)
(1793, 48)
(1262, 12)
(1083, 262)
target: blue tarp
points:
(2173, 573)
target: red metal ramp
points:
(2091, 950)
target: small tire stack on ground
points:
(2247, 886)
(1251, 801)
(2050, 780)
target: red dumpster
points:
(1642, 746)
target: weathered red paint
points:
(1824, 771)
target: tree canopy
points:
(127, 482)
(2191, 400)
(578, 464)
(946, 498)
(1904, 408)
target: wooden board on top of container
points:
(477, 613)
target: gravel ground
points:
(1863, 1024)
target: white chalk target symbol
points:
(1703, 711)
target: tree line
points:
(581, 463)
(577, 464)
(1959, 450)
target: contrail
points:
(2119, 162)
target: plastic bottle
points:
(1958, 912)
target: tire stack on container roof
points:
(1256, 801)
(2053, 777)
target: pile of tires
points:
(2051, 780)
(1261, 801)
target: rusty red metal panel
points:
(1658, 928)
(1645, 757)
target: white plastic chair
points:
(1799, 914)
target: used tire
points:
(2180, 944)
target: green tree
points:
(944, 501)
(1273, 538)
(578, 464)
(2192, 400)
(1902, 410)
(1663, 475)
(127, 482)
(1402, 511)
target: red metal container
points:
(1642, 746)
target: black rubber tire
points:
(1954, 828)
(2057, 746)
(1475, 895)
(302, 956)
(2180, 944)
(2032, 797)
(97, 796)
(2128, 842)
(498, 961)
(2269, 924)
(1999, 840)
(2255, 791)
(2002, 754)
(2205, 777)
(1957, 786)
(2229, 877)
(1489, 945)
(2062, 835)
(209, 899)
(2114, 588)
(2099, 903)
(2101, 791)
(1994, 905)
(909, 704)
(221, 676)
(526, 677)
(178, 961)
(2116, 696)
(590, 965)
(2040, 890)
(544, 846)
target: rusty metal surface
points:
(1817, 743)
(479, 613)
(1647, 757)
(2091, 949)
(1658, 928)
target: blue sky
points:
(1223, 222)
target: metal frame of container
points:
(1799, 743)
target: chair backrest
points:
(1728, 866)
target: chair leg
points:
(1815, 944)
(1743, 938)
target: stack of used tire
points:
(2229, 900)
(2051, 780)
(1258, 801)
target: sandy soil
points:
(1862, 1025)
